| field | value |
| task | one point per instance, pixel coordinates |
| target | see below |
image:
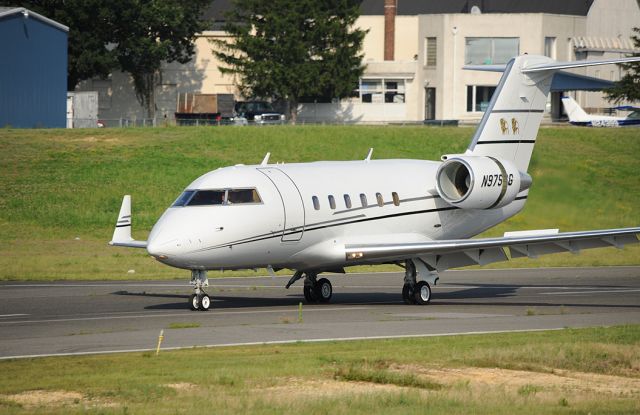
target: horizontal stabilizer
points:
(122, 231)
(556, 66)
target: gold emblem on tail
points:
(514, 126)
(504, 126)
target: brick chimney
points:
(389, 28)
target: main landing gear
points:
(414, 291)
(199, 300)
(315, 290)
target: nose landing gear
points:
(199, 300)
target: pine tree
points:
(628, 87)
(290, 49)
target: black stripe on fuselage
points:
(507, 142)
(123, 226)
(315, 227)
(505, 111)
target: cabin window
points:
(236, 196)
(207, 197)
(183, 198)
(332, 202)
(363, 200)
(379, 199)
(316, 202)
(396, 199)
(347, 201)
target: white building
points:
(414, 62)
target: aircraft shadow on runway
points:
(460, 297)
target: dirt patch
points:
(515, 379)
(32, 399)
(327, 388)
(41, 398)
(182, 386)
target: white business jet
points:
(577, 116)
(324, 216)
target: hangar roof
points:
(8, 11)
(216, 11)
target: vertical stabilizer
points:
(510, 124)
(574, 111)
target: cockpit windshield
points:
(217, 197)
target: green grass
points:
(183, 325)
(361, 377)
(61, 189)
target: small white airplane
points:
(577, 116)
(327, 215)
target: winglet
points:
(265, 160)
(368, 158)
(122, 231)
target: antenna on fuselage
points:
(369, 154)
(265, 160)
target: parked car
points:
(260, 112)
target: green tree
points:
(135, 36)
(147, 33)
(290, 49)
(628, 87)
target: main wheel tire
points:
(194, 302)
(423, 293)
(205, 302)
(309, 294)
(408, 295)
(323, 290)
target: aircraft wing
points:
(444, 254)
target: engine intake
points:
(474, 182)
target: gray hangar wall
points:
(33, 73)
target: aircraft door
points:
(291, 202)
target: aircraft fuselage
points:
(308, 212)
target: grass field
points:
(571, 371)
(61, 189)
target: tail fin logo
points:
(504, 126)
(514, 126)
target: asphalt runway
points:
(88, 317)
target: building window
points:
(363, 200)
(478, 97)
(430, 51)
(550, 47)
(490, 50)
(378, 91)
(347, 201)
(332, 202)
(316, 203)
(396, 199)
(379, 199)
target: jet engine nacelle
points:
(478, 182)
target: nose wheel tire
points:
(200, 302)
(423, 293)
(408, 294)
(194, 304)
(323, 290)
(205, 302)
